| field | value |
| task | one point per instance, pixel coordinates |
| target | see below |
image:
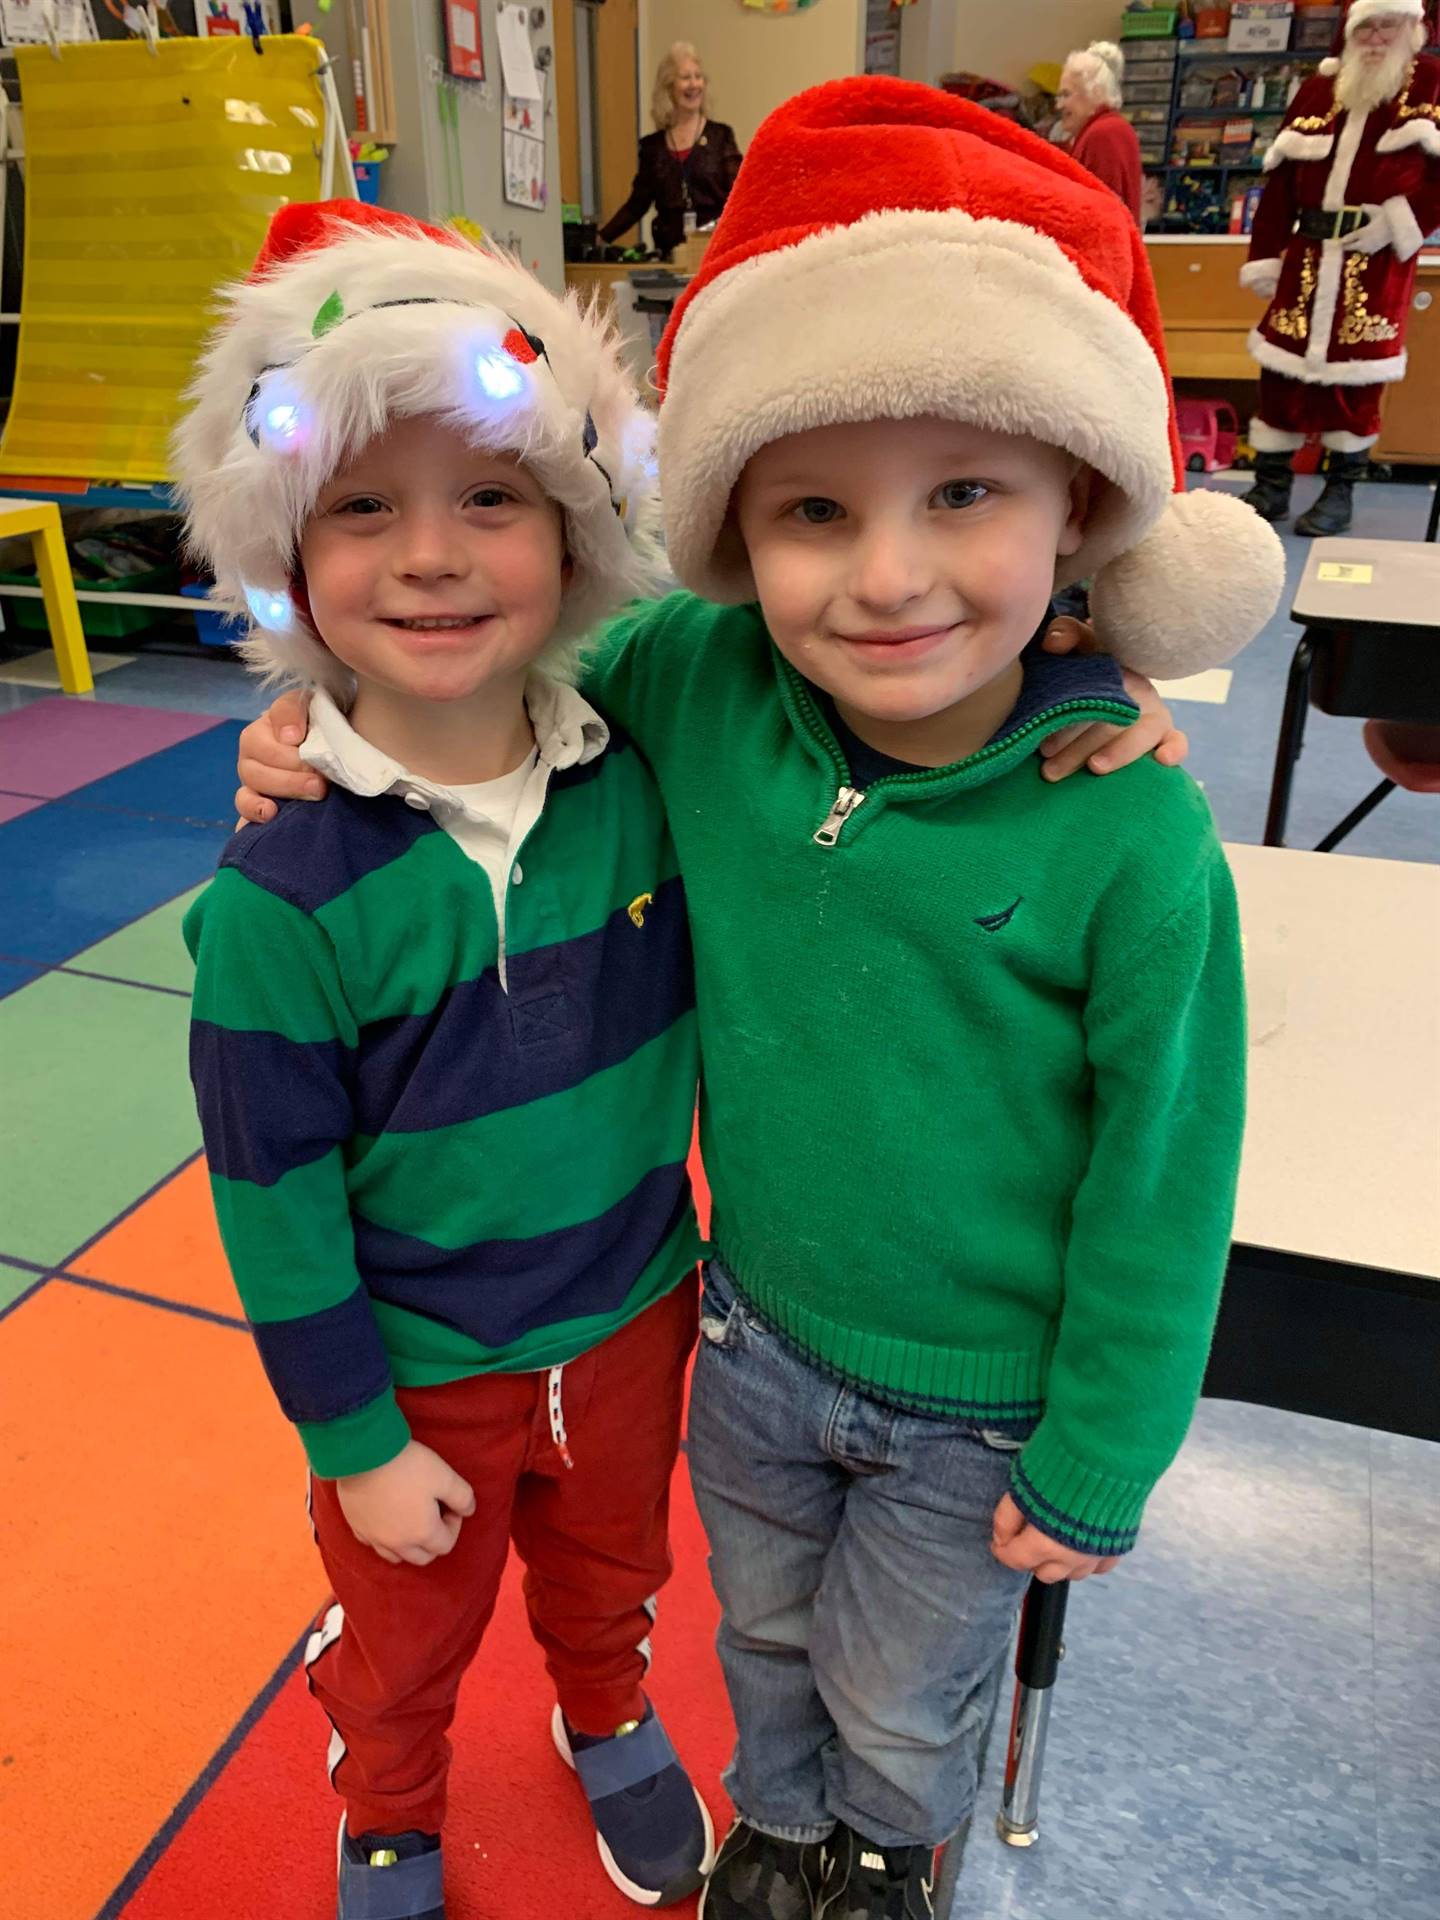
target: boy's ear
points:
(1081, 492)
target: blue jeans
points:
(866, 1620)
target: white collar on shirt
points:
(568, 733)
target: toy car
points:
(1209, 432)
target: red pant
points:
(1347, 417)
(593, 1538)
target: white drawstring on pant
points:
(557, 1417)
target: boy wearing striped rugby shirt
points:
(470, 968)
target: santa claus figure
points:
(1353, 189)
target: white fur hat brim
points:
(408, 323)
(1362, 10)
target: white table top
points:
(1342, 1150)
(1396, 582)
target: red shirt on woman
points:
(1108, 147)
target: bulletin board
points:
(150, 178)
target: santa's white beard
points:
(1361, 86)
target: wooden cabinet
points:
(1410, 427)
(1207, 313)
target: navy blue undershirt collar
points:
(1050, 679)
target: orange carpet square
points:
(155, 1564)
(169, 1246)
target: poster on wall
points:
(882, 37)
(25, 23)
(464, 44)
(524, 150)
(217, 19)
(517, 56)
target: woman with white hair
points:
(1100, 138)
(687, 166)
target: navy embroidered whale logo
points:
(993, 922)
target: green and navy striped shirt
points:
(424, 1170)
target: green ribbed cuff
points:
(357, 1441)
(1091, 1512)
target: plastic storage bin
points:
(1157, 24)
(100, 622)
(212, 629)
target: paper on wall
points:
(25, 23)
(526, 116)
(517, 61)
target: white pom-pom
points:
(1198, 588)
(1330, 66)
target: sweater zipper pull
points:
(846, 801)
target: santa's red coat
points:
(1338, 315)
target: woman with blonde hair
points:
(687, 166)
(1100, 138)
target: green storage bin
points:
(99, 621)
(1157, 24)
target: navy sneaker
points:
(389, 1876)
(866, 1882)
(652, 1829)
(758, 1877)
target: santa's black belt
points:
(1316, 223)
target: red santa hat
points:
(352, 316)
(1357, 13)
(890, 251)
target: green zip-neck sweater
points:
(973, 1057)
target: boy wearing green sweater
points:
(973, 1046)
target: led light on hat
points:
(273, 611)
(500, 375)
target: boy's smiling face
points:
(434, 568)
(903, 565)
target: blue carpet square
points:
(193, 781)
(70, 876)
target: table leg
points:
(1287, 747)
(1037, 1660)
(62, 610)
(1352, 820)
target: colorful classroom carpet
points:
(160, 1758)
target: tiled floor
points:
(1247, 1719)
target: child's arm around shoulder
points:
(1102, 748)
(1150, 1222)
(270, 1037)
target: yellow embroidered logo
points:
(637, 906)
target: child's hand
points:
(409, 1509)
(1103, 748)
(270, 766)
(1016, 1543)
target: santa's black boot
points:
(1270, 495)
(1334, 510)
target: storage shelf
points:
(1314, 54)
(1187, 71)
